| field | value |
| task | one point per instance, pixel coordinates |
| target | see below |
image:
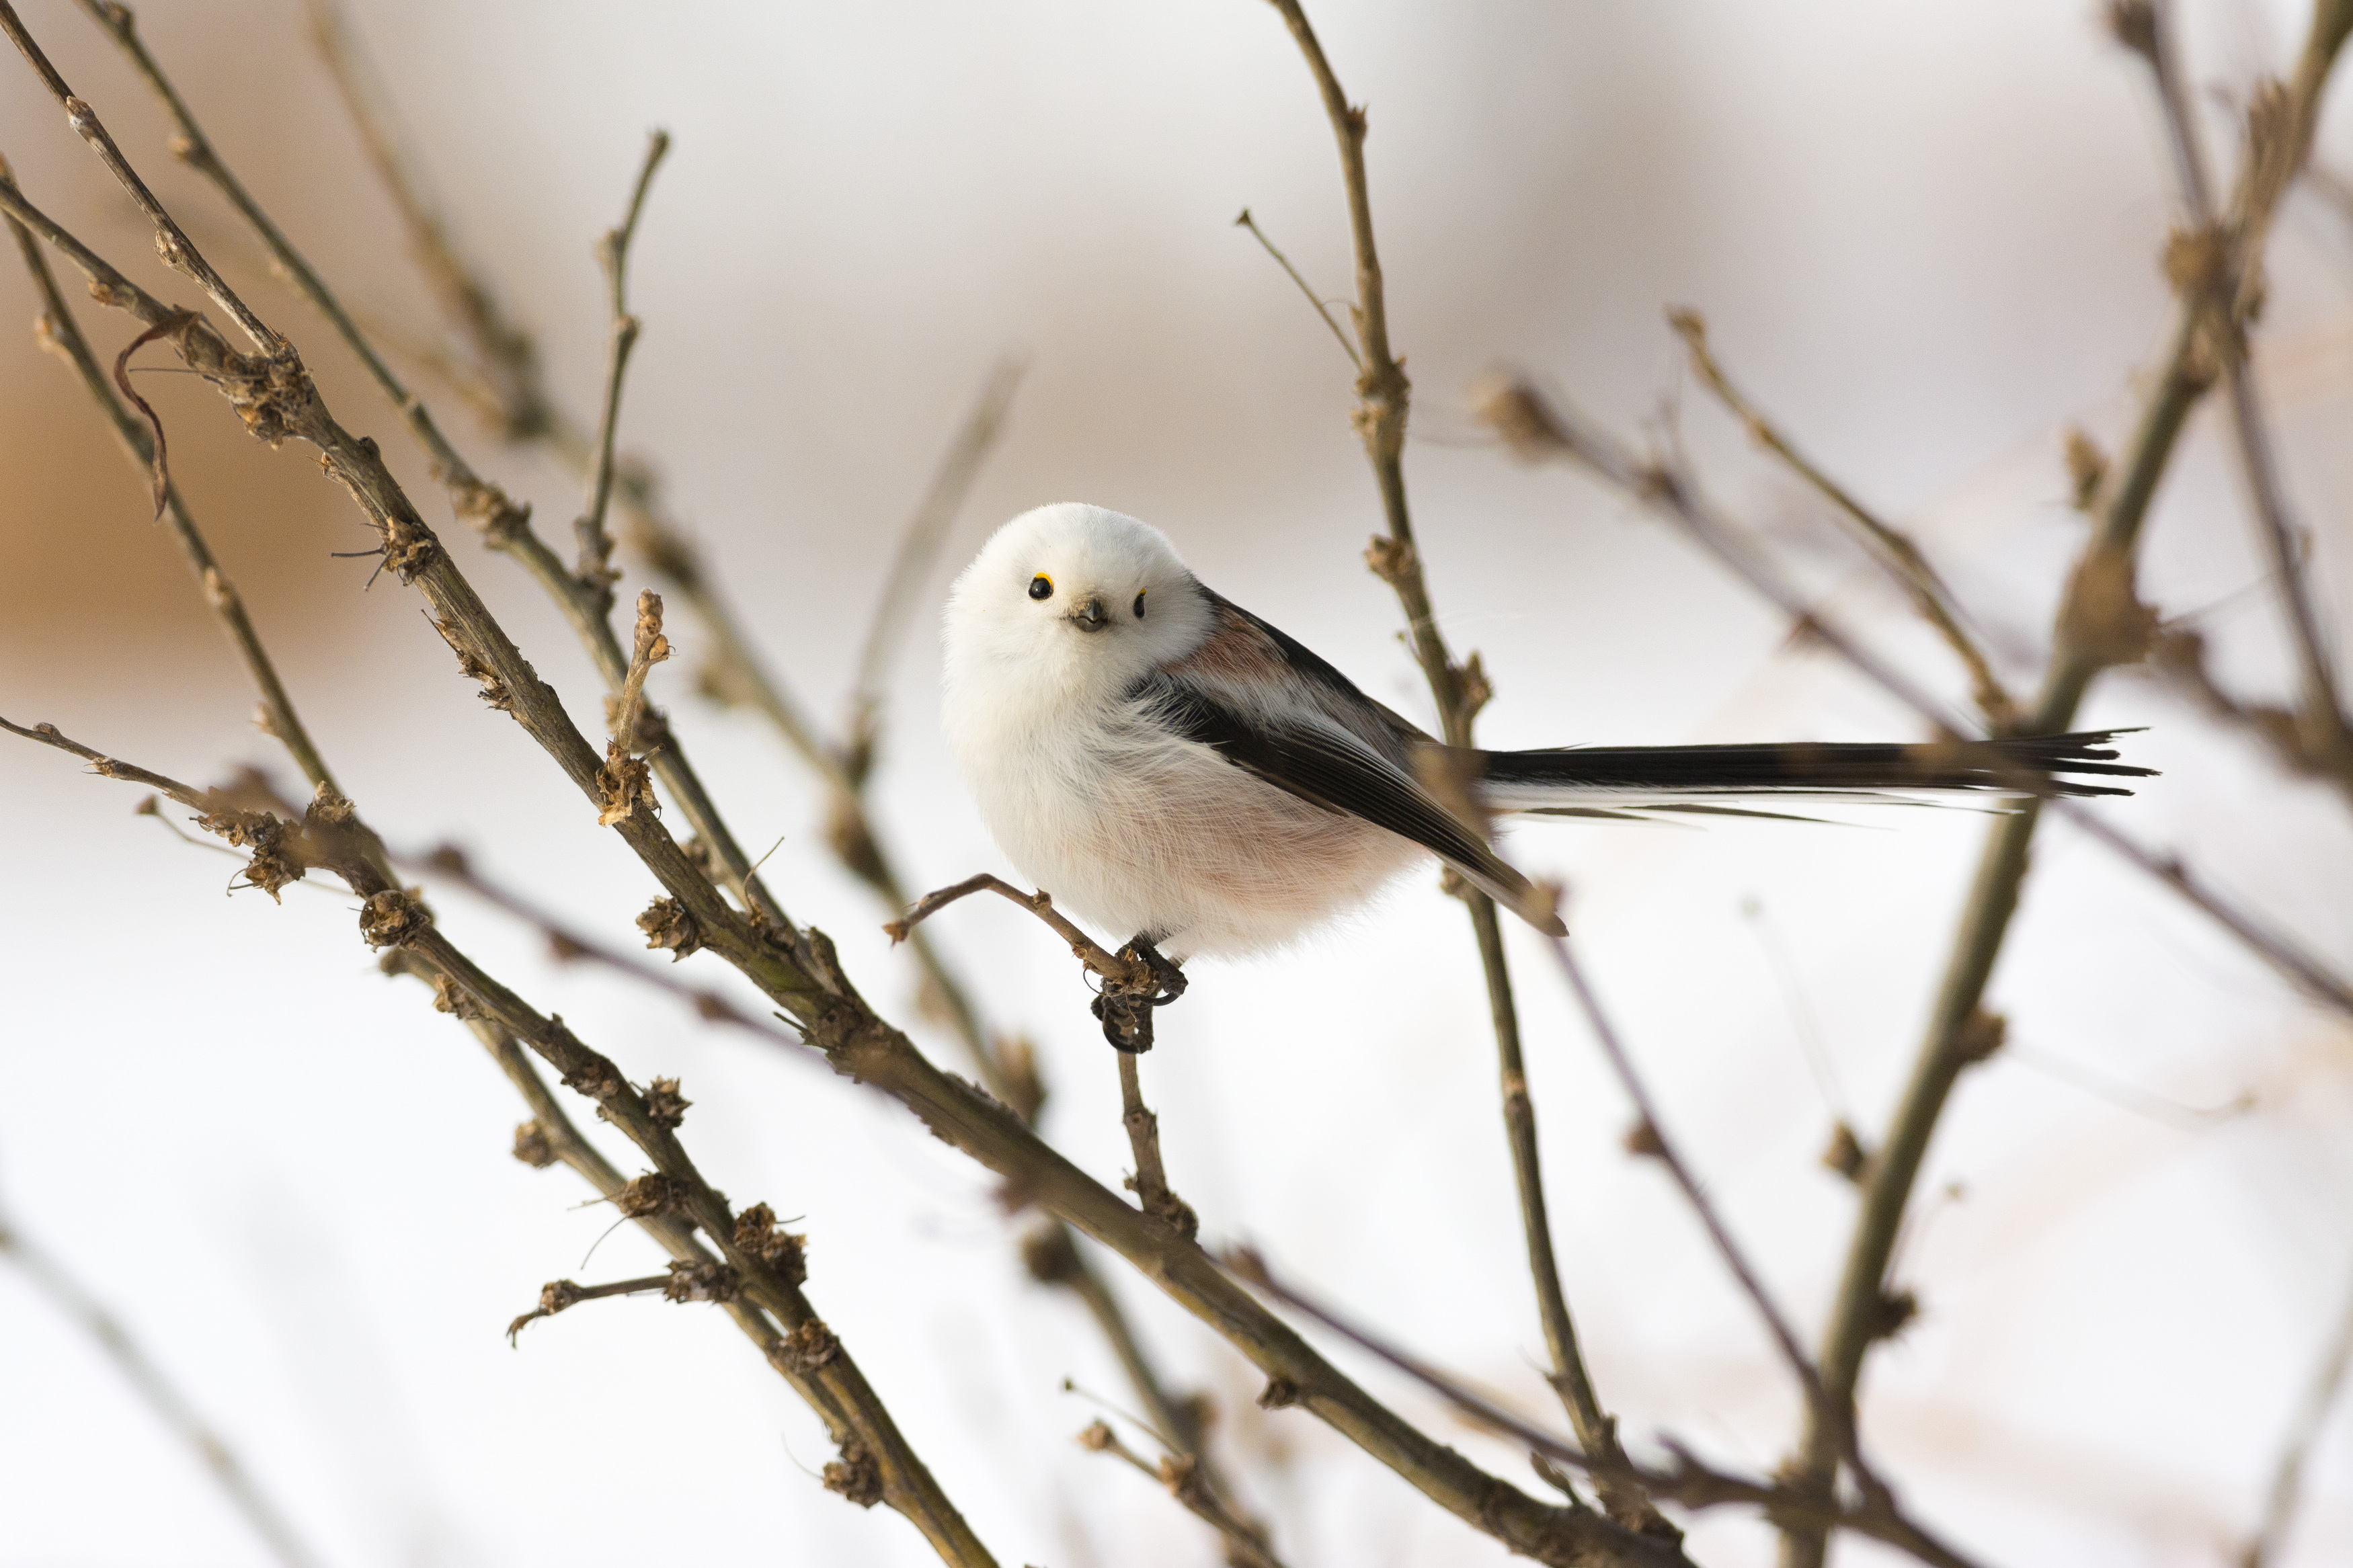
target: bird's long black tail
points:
(1590, 780)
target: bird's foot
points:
(1125, 1010)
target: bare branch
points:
(1150, 1182)
(820, 1370)
(505, 524)
(506, 357)
(2101, 624)
(510, 365)
(1689, 1483)
(1084, 948)
(62, 334)
(1245, 1543)
(686, 1281)
(594, 573)
(919, 548)
(1459, 691)
(1895, 553)
(170, 243)
(2206, 265)
(2304, 1433)
(1315, 300)
(2096, 599)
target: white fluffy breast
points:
(1130, 826)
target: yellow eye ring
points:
(1042, 586)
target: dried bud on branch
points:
(665, 1107)
(391, 917)
(782, 1251)
(668, 927)
(531, 1147)
(856, 1475)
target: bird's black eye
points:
(1139, 604)
(1042, 586)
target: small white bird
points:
(1163, 762)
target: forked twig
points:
(1246, 1544)
(1314, 298)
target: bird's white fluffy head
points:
(1069, 604)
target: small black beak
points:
(1088, 615)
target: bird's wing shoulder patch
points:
(1241, 647)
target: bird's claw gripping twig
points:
(1124, 1008)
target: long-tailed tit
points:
(1163, 762)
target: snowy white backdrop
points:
(1924, 236)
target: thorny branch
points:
(1459, 691)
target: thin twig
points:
(59, 331)
(157, 1392)
(1896, 554)
(1458, 692)
(510, 363)
(2178, 659)
(2101, 624)
(595, 571)
(919, 547)
(170, 243)
(2208, 273)
(1084, 948)
(799, 970)
(550, 1137)
(1314, 298)
(507, 358)
(1689, 1483)
(818, 1367)
(1150, 1182)
(505, 524)
(1245, 1543)
(2095, 601)
(2303, 1435)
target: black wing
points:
(1327, 767)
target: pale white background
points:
(1924, 237)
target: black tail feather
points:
(2024, 764)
